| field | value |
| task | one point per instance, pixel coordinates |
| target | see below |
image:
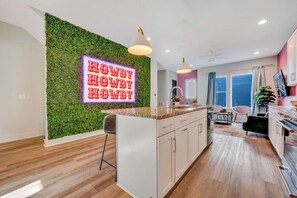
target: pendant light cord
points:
(183, 38)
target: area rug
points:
(234, 129)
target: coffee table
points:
(223, 117)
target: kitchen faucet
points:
(170, 93)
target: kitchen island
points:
(156, 145)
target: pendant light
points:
(184, 67)
(140, 46)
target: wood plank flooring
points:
(232, 167)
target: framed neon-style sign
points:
(105, 82)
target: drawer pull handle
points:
(185, 129)
(174, 145)
(164, 127)
(200, 128)
(184, 120)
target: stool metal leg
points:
(103, 151)
(102, 158)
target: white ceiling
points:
(228, 26)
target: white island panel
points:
(136, 155)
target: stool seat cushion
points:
(109, 124)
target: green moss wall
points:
(65, 46)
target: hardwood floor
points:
(69, 170)
(234, 167)
(231, 167)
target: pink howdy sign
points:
(105, 82)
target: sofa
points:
(257, 124)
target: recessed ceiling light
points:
(148, 38)
(263, 21)
(167, 51)
(191, 65)
(256, 53)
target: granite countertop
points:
(155, 112)
(286, 111)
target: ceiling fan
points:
(213, 55)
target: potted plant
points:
(195, 102)
(175, 100)
(263, 96)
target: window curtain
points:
(258, 81)
(211, 91)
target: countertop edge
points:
(287, 111)
(168, 115)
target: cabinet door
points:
(166, 178)
(193, 141)
(271, 132)
(295, 56)
(278, 139)
(281, 143)
(202, 130)
(291, 60)
(270, 127)
(181, 154)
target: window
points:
(190, 88)
(221, 89)
(241, 89)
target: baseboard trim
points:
(25, 140)
(66, 139)
(17, 137)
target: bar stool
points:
(109, 127)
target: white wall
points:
(154, 82)
(165, 78)
(235, 68)
(22, 81)
(20, 14)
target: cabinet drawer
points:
(165, 126)
(197, 115)
(182, 120)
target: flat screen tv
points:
(280, 84)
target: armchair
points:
(258, 124)
(241, 110)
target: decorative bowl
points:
(294, 103)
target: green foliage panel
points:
(65, 46)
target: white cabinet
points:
(156, 153)
(193, 141)
(279, 139)
(202, 131)
(181, 156)
(275, 132)
(276, 142)
(166, 160)
(178, 149)
(271, 130)
(292, 59)
(182, 120)
(165, 126)
(197, 115)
